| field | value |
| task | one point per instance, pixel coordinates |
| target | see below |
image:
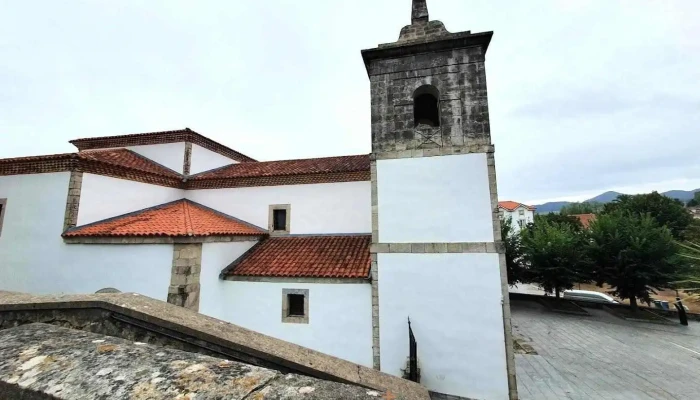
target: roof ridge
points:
(183, 218)
(161, 137)
(188, 218)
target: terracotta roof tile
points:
(585, 219)
(180, 135)
(178, 218)
(289, 167)
(512, 205)
(306, 256)
(127, 158)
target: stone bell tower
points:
(437, 255)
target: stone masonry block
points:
(454, 247)
(473, 247)
(417, 248)
(178, 279)
(400, 247)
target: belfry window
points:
(426, 106)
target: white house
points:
(520, 214)
(334, 253)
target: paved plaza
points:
(603, 357)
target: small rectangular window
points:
(279, 220)
(3, 206)
(522, 212)
(296, 305)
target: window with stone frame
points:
(295, 306)
(279, 219)
(3, 206)
(521, 212)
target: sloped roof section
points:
(175, 219)
(129, 159)
(290, 167)
(585, 219)
(342, 256)
(138, 139)
(513, 205)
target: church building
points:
(391, 260)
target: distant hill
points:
(682, 195)
(553, 206)
(607, 197)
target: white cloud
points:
(584, 96)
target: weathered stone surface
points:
(184, 278)
(96, 312)
(69, 364)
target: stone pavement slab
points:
(603, 357)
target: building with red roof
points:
(520, 214)
(336, 254)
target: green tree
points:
(667, 212)
(554, 256)
(582, 208)
(634, 255)
(695, 201)
(514, 253)
(573, 222)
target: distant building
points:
(585, 219)
(521, 214)
(695, 211)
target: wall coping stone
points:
(287, 355)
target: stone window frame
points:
(3, 209)
(271, 225)
(295, 319)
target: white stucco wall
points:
(318, 208)
(215, 257)
(527, 217)
(434, 199)
(454, 302)
(34, 259)
(105, 197)
(170, 155)
(204, 160)
(340, 315)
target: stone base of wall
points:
(184, 278)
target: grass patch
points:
(642, 315)
(562, 306)
(520, 347)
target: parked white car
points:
(589, 295)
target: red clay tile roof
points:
(306, 256)
(290, 167)
(178, 218)
(180, 135)
(585, 219)
(129, 159)
(513, 205)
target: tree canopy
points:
(514, 252)
(695, 201)
(554, 256)
(667, 212)
(633, 254)
(573, 222)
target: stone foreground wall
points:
(41, 360)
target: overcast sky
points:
(584, 96)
